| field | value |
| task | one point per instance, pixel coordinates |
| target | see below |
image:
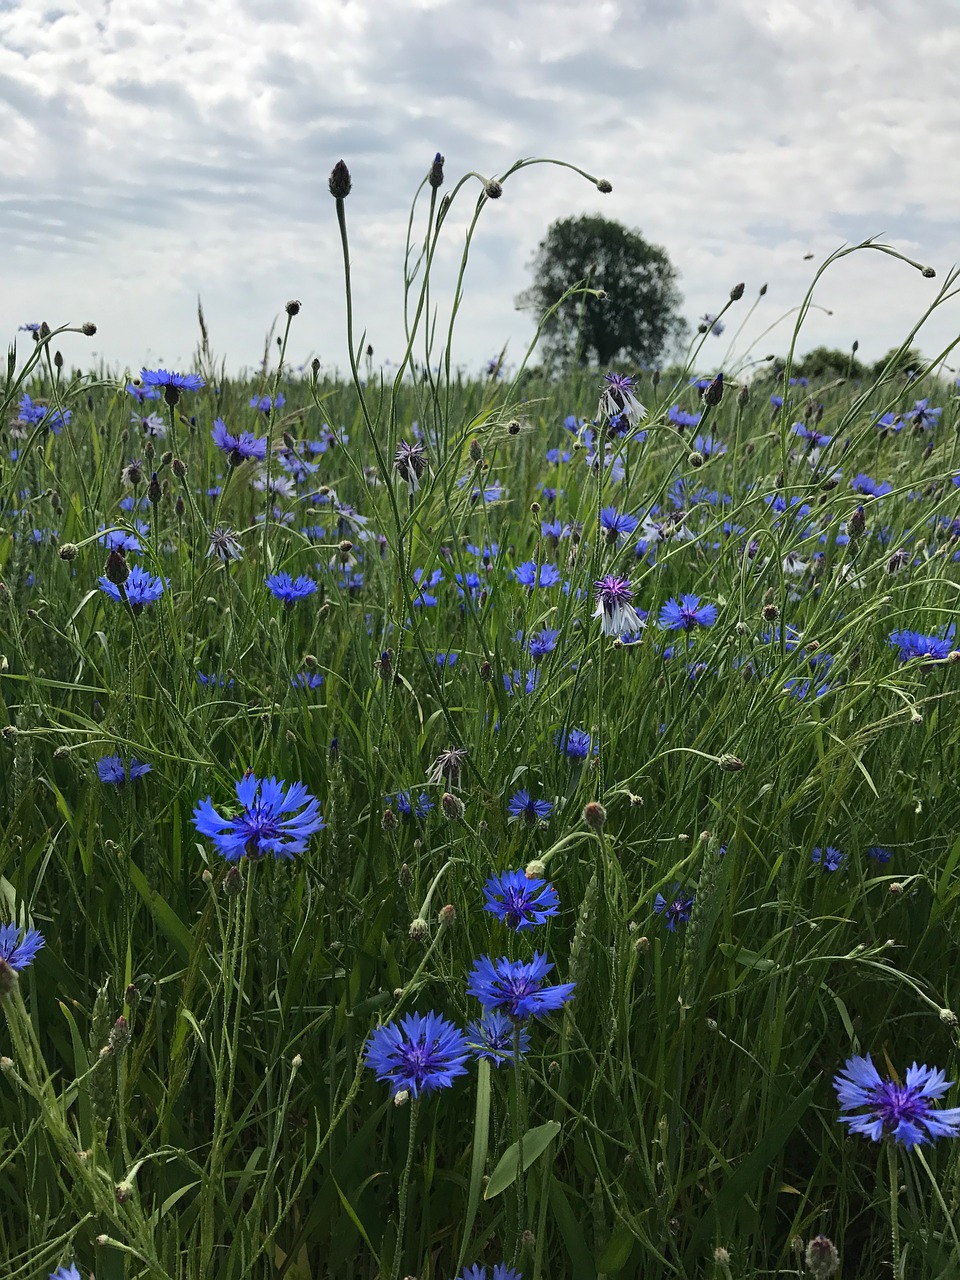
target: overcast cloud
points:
(155, 150)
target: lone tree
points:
(636, 320)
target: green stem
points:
(404, 1188)
(894, 1175)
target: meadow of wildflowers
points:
(469, 827)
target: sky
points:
(157, 151)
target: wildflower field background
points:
(483, 826)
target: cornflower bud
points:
(493, 189)
(730, 763)
(594, 815)
(447, 916)
(340, 182)
(69, 551)
(604, 187)
(293, 307)
(419, 930)
(822, 1258)
(736, 293)
(435, 176)
(713, 393)
(452, 807)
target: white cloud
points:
(155, 151)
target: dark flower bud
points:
(770, 613)
(435, 176)
(123, 1192)
(389, 820)
(475, 451)
(713, 391)
(763, 290)
(928, 273)
(116, 570)
(180, 507)
(293, 307)
(384, 664)
(154, 490)
(447, 916)
(604, 187)
(736, 293)
(493, 189)
(58, 359)
(315, 365)
(232, 885)
(452, 806)
(730, 764)
(131, 998)
(695, 459)
(119, 1035)
(179, 468)
(69, 551)
(856, 523)
(486, 672)
(419, 930)
(743, 395)
(88, 328)
(594, 815)
(166, 458)
(340, 181)
(655, 377)
(822, 1258)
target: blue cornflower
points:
(500, 1272)
(531, 575)
(216, 680)
(686, 615)
(677, 911)
(446, 659)
(616, 526)
(913, 644)
(515, 680)
(516, 986)
(575, 743)
(16, 952)
(491, 1038)
(519, 900)
(922, 416)
(709, 447)
(142, 393)
(863, 483)
(141, 588)
(890, 422)
(66, 1273)
(113, 771)
(267, 822)
(407, 807)
(891, 1109)
(543, 642)
(680, 418)
(238, 448)
(879, 855)
(266, 403)
(288, 589)
(307, 680)
(121, 540)
(710, 324)
(172, 385)
(421, 1053)
(520, 805)
(829, 859)
(816, 439)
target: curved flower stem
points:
(894, 1175)
(917, 1151)
(519, 1120)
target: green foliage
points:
(628, 310)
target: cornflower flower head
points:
(520, 901)
(112, 771)
(816, 439)
(710, 324)
(516, 986)
(680, 418)
(17, 952)
(307, 680)
(266, 403)
(121, 540)
(140, 588)
(879, 854)
(419, 1054)
(224, 545)
(616, 526)
(921, 415)
(709, 447)
(274, 818)
(521, 805)
(542, 642)
(288, 589)
(447, 766)
(617, 397)
(677, 910)
(865, 484)
(617, 615)
(69, 1272)
(238, 448)
(171, 385)
(829, 859)
(500, 1272)
(687, 615)
(408, 807)
(142, 393)
(913, 644)
(885, 1108)
(410, 462)
(491, 1038)
(530, 574)
(575, 743)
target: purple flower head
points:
(619, 399)
(141, 588)
(520, 805)
(418, 1054)
(616, 526)
(542, 643)
(520, 901)
(268, 821)
(16, 952)
(288, 589)
(921, 415)
(686, 615)
(266, 403)
(710, 324)
(617, 615)
(680, 418)
(114, 772)
(172, 385)
(879, 855)
(516, 986)
(816, 439)
(408, 807)
(882, 1108)
(238, 448)
(913, 644)
(865, 484)
(829, 859)
(491, 1039)
(500, 1272)
(575, 743)
(66, 1273)
(676, 911)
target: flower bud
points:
(736, 293)
(730, 764)
(604, 187)
(435, 176)
(493, 189)
(447, 916)
(69, 551)
(293, 307)
(340, 182)
(452, 806)
(821, 1257)
(419, 930)
(594, 815)
(88, 328)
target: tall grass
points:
(677, 1117)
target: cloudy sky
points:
(155, 150)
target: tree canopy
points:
(637, 319)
